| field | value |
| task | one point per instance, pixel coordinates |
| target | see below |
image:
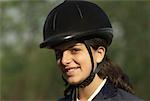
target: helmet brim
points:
(103, 33)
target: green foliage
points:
(30, 73)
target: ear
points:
(100, 53)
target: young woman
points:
(80, 32)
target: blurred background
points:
(30, 73)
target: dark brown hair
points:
(110, 70)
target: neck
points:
(86, 92)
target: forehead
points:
(65, 46)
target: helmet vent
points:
(54, 21)
(79, 10)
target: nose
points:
(66, 58)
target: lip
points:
(70, 70)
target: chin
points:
(73, 81)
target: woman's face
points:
(75, 62)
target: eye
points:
(75, 50)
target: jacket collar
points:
(107, 91)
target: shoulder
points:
(111, 93)
(123, 95)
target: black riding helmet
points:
(75, 20)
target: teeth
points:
(70, 69)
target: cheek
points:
(84, 61)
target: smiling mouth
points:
(71, 70)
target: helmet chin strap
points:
(91, 76)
